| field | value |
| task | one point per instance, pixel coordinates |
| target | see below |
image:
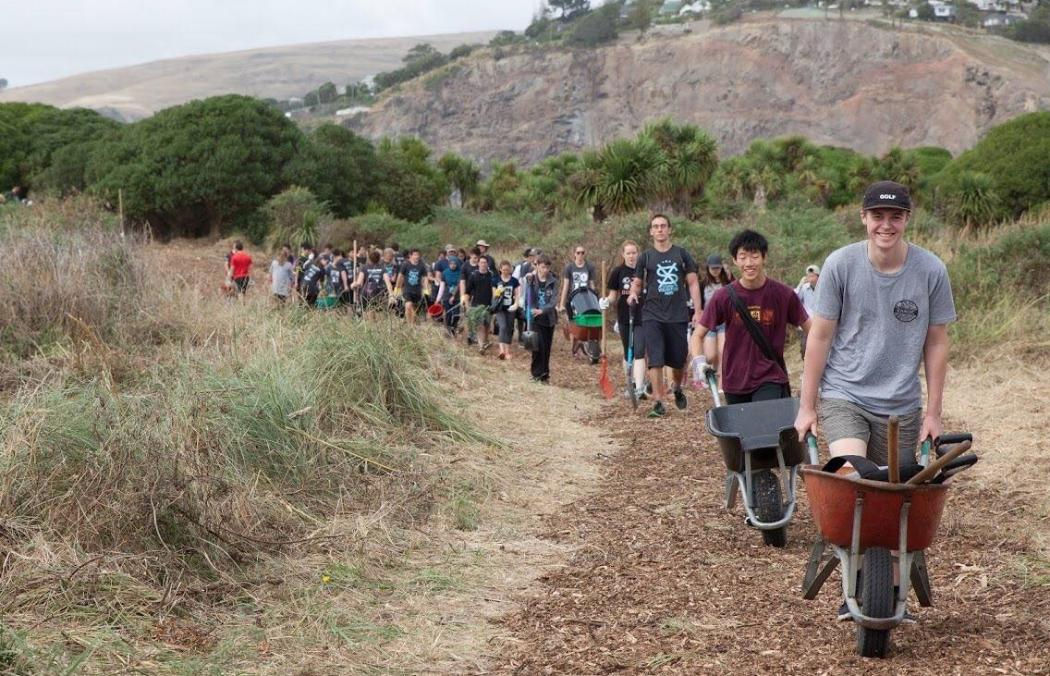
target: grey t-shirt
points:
(281, 272)
(579, 276)
(882, 324)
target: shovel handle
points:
(893, 448)
(935, 466)
(814, 454)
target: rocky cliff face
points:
(844, 83)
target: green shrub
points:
(595, 28)
(293, 216)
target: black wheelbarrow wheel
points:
(878, 599)
(768, 506)
(594, 351)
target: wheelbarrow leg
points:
(731, 488)
(920, 579)
(814, 581)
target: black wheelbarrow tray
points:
(758, 441)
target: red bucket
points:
(436, 310)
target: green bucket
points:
(588, 320)
(327, 302)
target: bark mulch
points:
(664, 580)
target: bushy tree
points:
(504, 38)
(338, 166)
(1016, 156)
(327, 93)
(973, 201)
(461, 51)
(409, 186)
(570, 9)
(641, 15)
(689, 156)
(199, 168)
(293, 216)
(595, 28)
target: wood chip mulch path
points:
(664, 580)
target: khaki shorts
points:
(841, 419)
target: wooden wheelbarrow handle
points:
(935, 466)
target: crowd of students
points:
(672, 313)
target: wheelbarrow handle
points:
(924, 452)
(811, 444)
(935, 466)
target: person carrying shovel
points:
(883, 305)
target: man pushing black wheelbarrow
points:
(756, 427)
(882, 307)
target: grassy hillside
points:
(278, 72)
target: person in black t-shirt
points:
(541, 287)
(312, 278)
(337, 280)
(410, 280)
(669, 275)
(506, 303)
(477, 297)
(373, 283)
(617, 290)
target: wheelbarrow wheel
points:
(768, 506)
(594, 351)
(877, 600)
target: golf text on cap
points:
(887, 197)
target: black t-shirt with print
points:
(508, 286)
(666, 291)
(335, 277)
(579, 276)
(413, 276)
(313, 276)
(373, 284)
(620, 279)
(479, 288)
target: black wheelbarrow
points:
(762, 455)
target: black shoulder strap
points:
(756, 333)
(865, 468)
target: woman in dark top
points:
(506, 306)
(617, 288)
(714, 276)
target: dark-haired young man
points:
(541, 287)
(411, 278)
(669, 274)
(748, 373)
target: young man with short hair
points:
(483, 252)
(749, 374)
(410, 279)
(476, 291)
(883, 305)
(281, 274)
(669, 275)
(240, 267)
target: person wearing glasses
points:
(577, 274)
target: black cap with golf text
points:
(887, 195)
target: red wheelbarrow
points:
(881, 528)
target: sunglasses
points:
(580, 253)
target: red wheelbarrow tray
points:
(832, 499)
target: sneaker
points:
(658, 410)
(642, 396)
(679, 399)
(484, 347)
(471, 340)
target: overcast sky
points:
(43, 40)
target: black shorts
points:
(414, 296)
(665, 344)
(242, 284)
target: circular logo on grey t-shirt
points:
(906, 311)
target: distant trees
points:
(204, 167)
(338, 166)
(422, 58)
(641, 15)
(408, 186)
(327, 93)
(570, 9)
(596, 28)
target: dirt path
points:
(662, 579)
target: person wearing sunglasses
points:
(577, 274)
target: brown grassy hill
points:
(846, 83)
(139, 91)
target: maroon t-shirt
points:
(773, 306)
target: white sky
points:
(43, 40)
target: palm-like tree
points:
(974, 201)
(689, 157)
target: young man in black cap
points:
(669, 274)
(883, 305)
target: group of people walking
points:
(865, 322)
